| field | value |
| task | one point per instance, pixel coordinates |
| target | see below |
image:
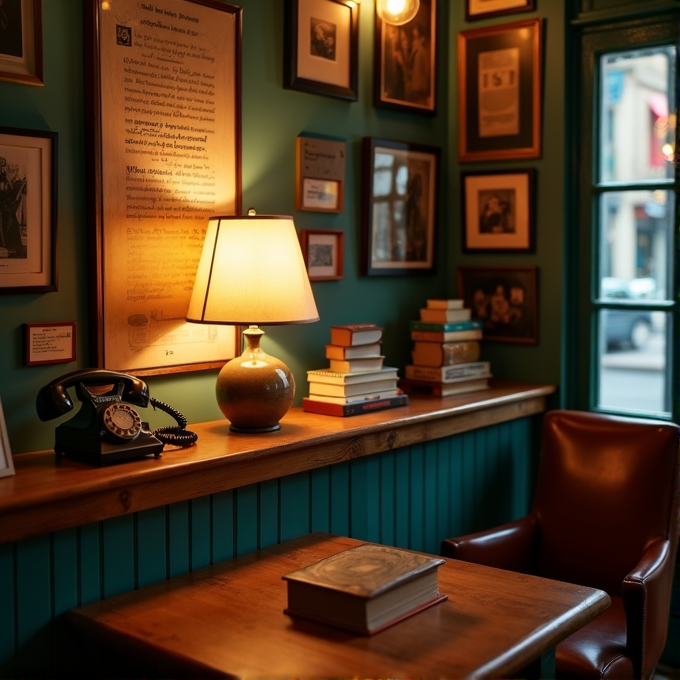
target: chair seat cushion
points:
(598, 650)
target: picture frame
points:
(399, 207)
(498, 210)
(485, 9)
(321, 47)
(21, 42)
(28, 189)
(6, 460)
(323, 252)
(172, 154)
(499, 92)
(319, 174)
(505, 299)
(53, 343)
(405, 62)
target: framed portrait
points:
(321, 47)
(49, 343)
(485, 9)
(21, 41)
(322, 250)
(498, 210)
(405, 62)
(28, 211)
(505, 299)
(399, 207)
(499, 92)
(163, 123)
(320, 174)
(6, 461)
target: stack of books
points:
(446, 350)
(355, 381)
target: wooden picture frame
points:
(49, 343)
(485, 9)
(321, 47)
(499, 92)
(21, 42)
(6, 460)
(28, 211)
(498, 210)
(323, 252)
(319, 174)
(405, 62)
(505, 299)
(164, 154)
(399, 207)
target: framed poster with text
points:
(163, 107)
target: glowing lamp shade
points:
(397, 12)
(252, 272)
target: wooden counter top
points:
(48, 494)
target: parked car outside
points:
(625, 327)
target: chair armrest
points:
(510, 546)
(646, 593)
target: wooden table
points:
(228, 620)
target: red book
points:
(344, 410)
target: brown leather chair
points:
(604, 515)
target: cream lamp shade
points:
(397, 12)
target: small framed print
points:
(21, 41)
(321, 47)
(53, 343)
(6, 461)
(505, 299)
(320, 174)
(485, 9)
(322, 250)
(498, 211)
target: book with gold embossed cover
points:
(364, 589)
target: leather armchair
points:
(604, 515)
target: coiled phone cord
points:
(173, 435)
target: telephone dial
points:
(107, 428)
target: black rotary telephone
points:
(107, 428)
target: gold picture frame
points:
(21, 51)
(485, 9)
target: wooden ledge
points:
(48, 494)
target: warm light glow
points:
(397, 12)
(669, 151)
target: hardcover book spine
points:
(446, 327)
(325, 408)
(448, 373)
(449, 353)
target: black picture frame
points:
(399, 207)
(321, 47)
(486, 9)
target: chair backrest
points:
(605, 491)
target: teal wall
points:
(272, 119)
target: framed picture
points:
(21, 41)
(164, 153)
(504, 298)
(399, 207)
(53, 343)
(499, 92)
(485, 9)
(405, 64)
(321, 47)
(6, 461)
(323, 250)
(320, 174)
(498, 210)
(28, 211)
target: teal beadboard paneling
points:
(412, 497)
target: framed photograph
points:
(485, 9)
(21, 41)
(320, 174)
(323, 250)
(399, 207)
(405, 63)
(321, 47)
(6, 461)
(498, 210)
(505, 299)
(164, 154)
(28, 211)
(499, 92)
(53, 343)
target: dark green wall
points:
(272, 118)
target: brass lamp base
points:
(254, 391)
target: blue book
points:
(474, 324)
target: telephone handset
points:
(107, 428)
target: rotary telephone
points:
(107, 428)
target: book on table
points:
(364, 589)
(313, 404)
(352, 389)
(446, 336)
(472, 324)
(444, 315)
(444, 304)
(350, 335)
(445, 353)
(378, 395)
(356, 365)
(324, 375)
(440, 389)
(456, 372)
(356, 352)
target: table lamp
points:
(251, 272)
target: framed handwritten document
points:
(163, 101)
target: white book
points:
(351, 390)
(357, 398)
(325, 375)
(474, 369)
(356, 365)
